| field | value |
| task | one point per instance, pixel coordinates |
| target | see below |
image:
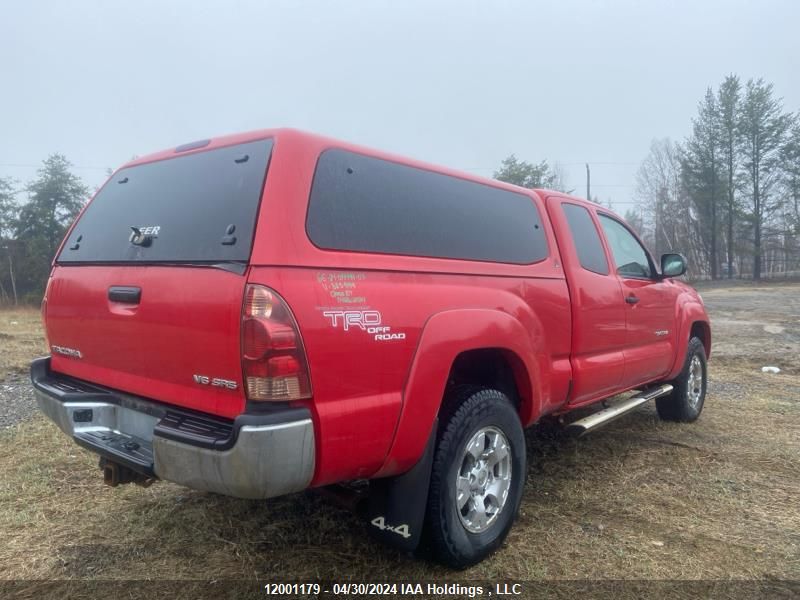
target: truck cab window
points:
(630, 256)
(586, 239)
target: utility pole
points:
(588, 186)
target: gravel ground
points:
(755, 326)
(17, 402)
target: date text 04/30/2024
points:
(393, 589)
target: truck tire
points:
(477, 476)
(685, 403)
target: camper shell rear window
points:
(194, 208)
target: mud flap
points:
(396, 506)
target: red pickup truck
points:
(258, 314)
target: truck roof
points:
(322, 142)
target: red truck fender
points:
(690, 312)
(446, 335)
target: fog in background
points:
(463, 84)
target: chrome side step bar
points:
(602, 417)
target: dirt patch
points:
(756, 326)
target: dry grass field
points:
(639, 500)
(20, 340)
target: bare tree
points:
(656, 189)
(791, 177)
(668, 220)
(8, 216)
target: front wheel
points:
(477, 477)
(685, 403)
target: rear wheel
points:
(477, 477)
(685, 403)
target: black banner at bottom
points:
(509, 590)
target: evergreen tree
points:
(54, 199)
(729, 105)
(528, 175)
(764, 129)
(701, 173)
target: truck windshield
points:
(197, 208)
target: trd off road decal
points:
(343, 288)
(363, 320)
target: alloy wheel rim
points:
(483, 480)
(694, 388)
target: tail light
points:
(273, 358)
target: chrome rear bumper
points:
(262, 457)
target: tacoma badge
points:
(64, 351)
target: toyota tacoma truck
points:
(258, 314)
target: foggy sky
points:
(461, 84)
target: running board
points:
(602, 417)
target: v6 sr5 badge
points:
(369, 321)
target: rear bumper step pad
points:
(128, 450)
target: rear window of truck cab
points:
(366, 204)
(194, 208)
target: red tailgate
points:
(186, 323)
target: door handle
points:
(125, 293)
(632, 299)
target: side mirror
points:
(672, 265)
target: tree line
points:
(30, 232)
(728, 195)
